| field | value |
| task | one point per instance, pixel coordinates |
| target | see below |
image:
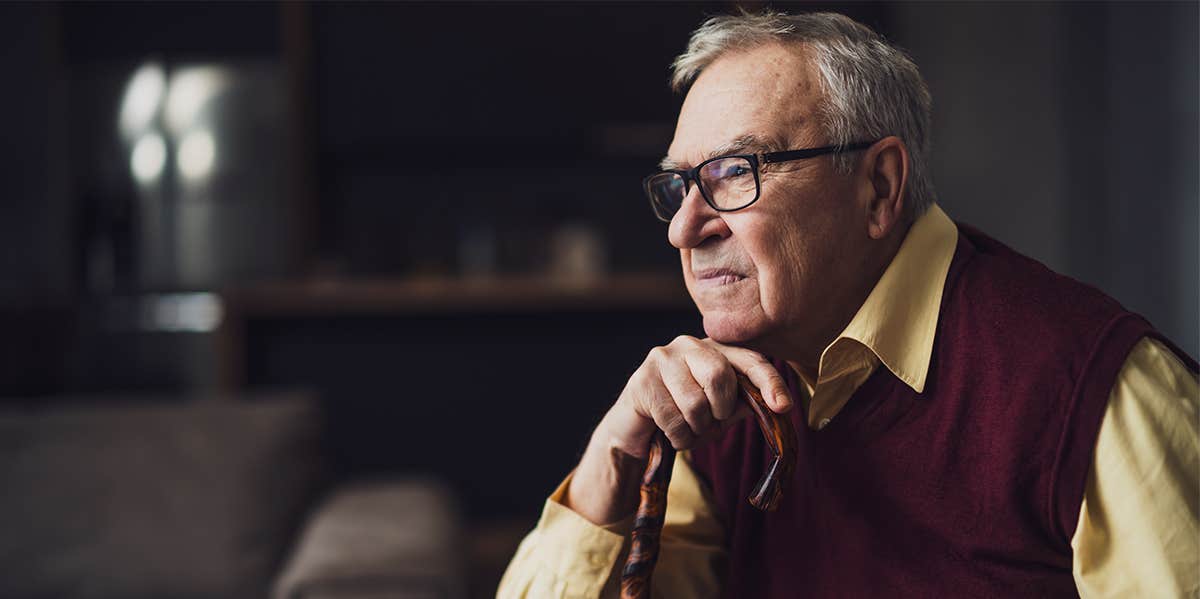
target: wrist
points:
(604, 487)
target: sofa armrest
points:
(379, 539)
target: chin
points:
(731, 329)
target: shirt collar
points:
(898, 320)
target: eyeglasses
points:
(727, 183)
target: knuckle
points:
(684, 342)
(719, 383)
(656, 354)
(638, 381)
(720, 378)
(707, 373)
(642, 390)
(688, 400)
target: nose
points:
(695, 222)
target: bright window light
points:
(148, 157)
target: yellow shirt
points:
(1137, 534)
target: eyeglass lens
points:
(667, 191)
(727, 183)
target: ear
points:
(885, 175)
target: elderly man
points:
(969, 423)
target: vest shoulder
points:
(995, 284)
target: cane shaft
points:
(648, 523)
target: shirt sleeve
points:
(1138, 534)
(567, 556)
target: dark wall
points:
(1069, 131)
(35, 212)
(436, 119)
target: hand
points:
(689, 390)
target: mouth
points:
(717, 277)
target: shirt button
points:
(824, 423)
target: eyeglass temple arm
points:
(789, 155)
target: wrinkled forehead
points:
(769, 94)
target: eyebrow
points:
(745, 144)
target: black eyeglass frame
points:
(692, 175)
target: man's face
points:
(766, 276)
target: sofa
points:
(208, 497)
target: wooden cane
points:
(647, 527)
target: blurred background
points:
(279, 277)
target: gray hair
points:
(872, 88)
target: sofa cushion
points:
(161, 498)
(398, 538)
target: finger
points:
(666, 415)
(715, 375)
(762, 374)
(689, 397)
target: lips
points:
(716, 277)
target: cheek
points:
(778, 253)
(795, 261)
(787, 267)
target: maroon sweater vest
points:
(970, 489)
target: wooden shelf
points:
(435, 296)
(531, 293)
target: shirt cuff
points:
(578, 553)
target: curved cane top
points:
(780, 435)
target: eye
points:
(734, 168)
(727, 170)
